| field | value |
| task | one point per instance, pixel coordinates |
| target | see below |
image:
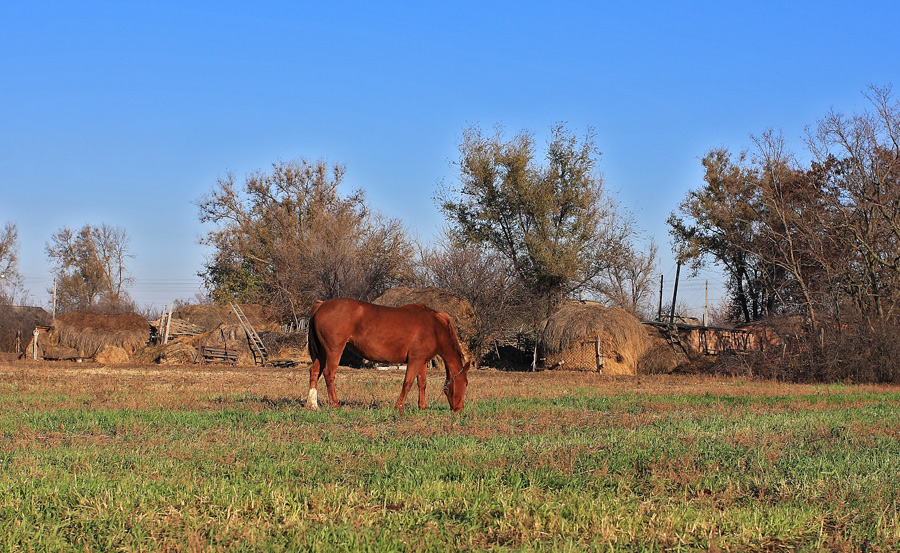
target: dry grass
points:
(148, 457)
(191, 386)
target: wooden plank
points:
(218, 354)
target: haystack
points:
(111, 355)
(216, 326)
(210, 317)
(582, 335)
(21, 320)
(84, 335)
(459, 309)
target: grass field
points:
(188, 459)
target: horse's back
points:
(356, 310)
(378, 332)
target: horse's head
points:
(455, 387)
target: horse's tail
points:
(312, 338)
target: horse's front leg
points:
(412, 372)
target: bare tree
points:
(797, 226)
(859, 162)
(90, 268)
(10, 279)
(482, 277)
(288, 237)
(629, 283)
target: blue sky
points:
(126, 113)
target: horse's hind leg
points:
(422, 378)
(331, 364)
(314, 370)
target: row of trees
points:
(819, 240)
(89, 267)
(526, 228)
(522, 232)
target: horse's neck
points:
(449, 347)
(451, 352)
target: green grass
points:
(593, 465)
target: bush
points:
(852, 353)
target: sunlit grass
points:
(151, 459)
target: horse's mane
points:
(445, 318)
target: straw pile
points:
(185, 350)
(84, 334)
(21, 319)
(210, 317)
(111, 355)
(220, 329)
(459, 309)
(567, 340)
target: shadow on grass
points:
(267, 402)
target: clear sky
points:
(126, 113)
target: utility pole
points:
(659, 311)
(706, 306)
(675, 292)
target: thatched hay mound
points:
(21, 320)
(460, 310)
(84, 334)
(573, 337)
(659, 357)
(291, 346)
(111, 355)
(210, 317)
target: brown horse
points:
(412, 334)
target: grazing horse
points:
(412, 334)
